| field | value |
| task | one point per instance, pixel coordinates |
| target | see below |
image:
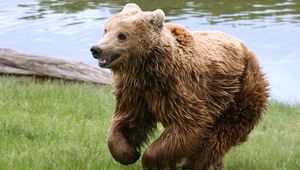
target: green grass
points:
(274, 143)
(54, 124)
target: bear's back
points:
(218, 46)
(209, 47)
(216, 63)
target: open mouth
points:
(106, 62)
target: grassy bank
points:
(63, 125)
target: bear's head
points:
(128, 36)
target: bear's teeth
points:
(102, 60)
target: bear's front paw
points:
(153, 160)
(121, 151)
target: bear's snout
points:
(104, 57)
(96, 52)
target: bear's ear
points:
(131, 9)
(156, 17)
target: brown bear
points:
(205, 88)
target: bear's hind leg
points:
(229, 130)
(219, 165)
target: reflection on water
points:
(68, 28)
(215, 12)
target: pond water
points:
(67, 28)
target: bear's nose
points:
(96, 51)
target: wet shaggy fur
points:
(205, 88)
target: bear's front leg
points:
(171, 147)
(127, 135)
(119, 146)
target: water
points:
(67, 28)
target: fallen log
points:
(19, 63)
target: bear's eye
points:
(105, 31)
(122, 36)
